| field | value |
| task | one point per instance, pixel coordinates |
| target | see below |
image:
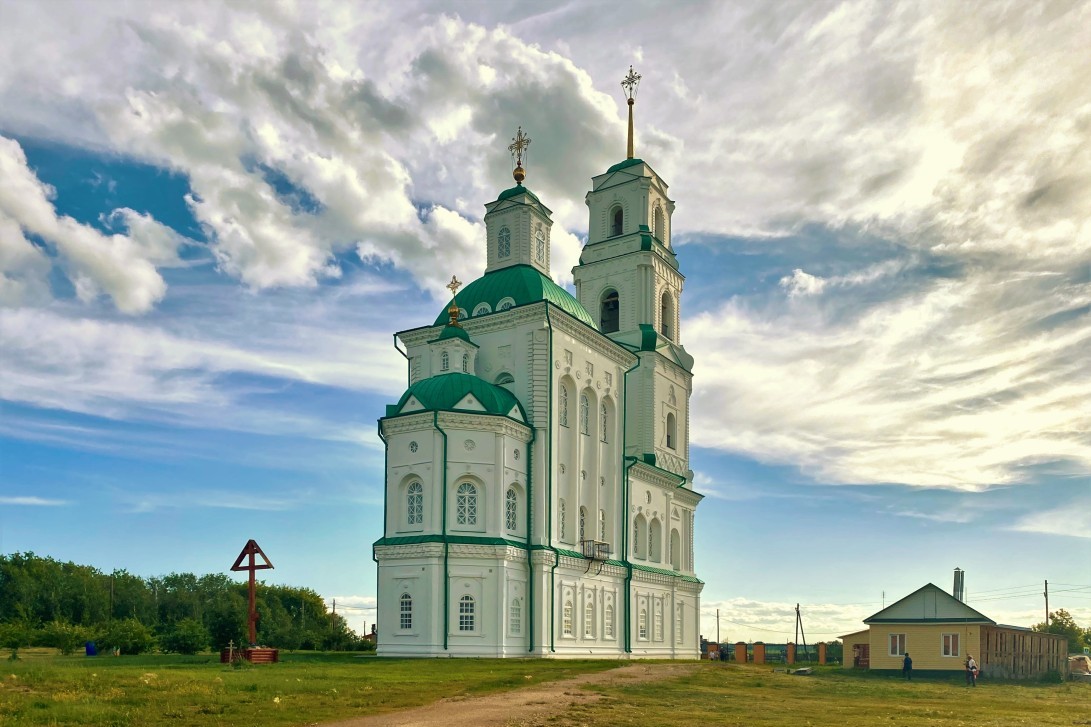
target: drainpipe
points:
(443, 531)
(625, 508)
(374, 557)
(530, 553)
(549, 489)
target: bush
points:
(1052, 677)
(64, 636)
(188, 636)
(15, 635)
(129, 635)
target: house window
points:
(617, 222)
(405, 612)
(585, 414)
(589, 621)
(466, 613)
(678, 624)
(444, 361)
(608, 626)
(672, 431)
(605, 421)
(482, 309)
(602, 525)
(950, 645)
(642, 625)
(414, 504)
(505, 378)
(655, 536)
(511, 502)
(658, 634)
(539, 237)
(505, 304)
(515, 617)
(609, 315)
(466, 504)
(676, 550)
(566, 621)
(561, 516)
(583, 522)
(563, 414)
(503, 243)
(466, 362)
(897, 644)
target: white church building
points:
(539, 498)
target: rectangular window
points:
(897, 644)
(950, 645)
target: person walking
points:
(971, 671)
(907, 667)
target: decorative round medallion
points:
(412, 446)
(516, 454)
(470, 444)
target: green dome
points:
(445, 391)
(523, 284)
(624, 164)
(450, 331)
(515, 192)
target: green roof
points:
(450, 331)
(523, 284)
(515, 192)
(625, 164)
(445, 391)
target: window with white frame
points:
(642, 624)
(444, 361)
(467, 613)
(515, 617)
(503, 242)
(561, 513)
(540, 244)
(678, 624)
(563, 405)
(583, 523)
(466, 362)
(566, 620)
(414, 503)
(604, 420)
(585, 415)
(466, 504)
(405, 612)
(658, 622)
(897, 644)
(511, 504)
(950, 645)
(602, 525)
(608, 622)
(589, 620)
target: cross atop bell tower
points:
(630, 83)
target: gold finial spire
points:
(630, 83)
(452, 311)
(518, 147)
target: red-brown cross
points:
(251, 550)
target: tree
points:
(64, 636)
(129, 635)
(188, 636)
(1062, 623)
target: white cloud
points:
(31, 501)
(800, 283)
(1073, 520)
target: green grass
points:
(45, 689)
(754, 696)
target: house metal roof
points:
(446, 392)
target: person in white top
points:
(971, 670)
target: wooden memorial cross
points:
(251, 550)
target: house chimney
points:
(959, 590)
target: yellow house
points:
(939, 632)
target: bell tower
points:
(628, 279)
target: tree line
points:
(45, 602)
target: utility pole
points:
(717, 625)
(1046, 594)
(796, 641)
(335, 607)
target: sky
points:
(213, 216)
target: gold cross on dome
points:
(454, 285)
(630, 83)
(519, 144)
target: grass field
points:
(45, 689)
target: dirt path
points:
(521, 706)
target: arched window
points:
(414, 503)
(515, 617)
(466, 613)
(678, 623)
(583, 523)
(466, 362)
(642, 624)
(466, 504)
(672, 431)
(561, 517)
(444, 361)
(505, 304)
(610, 312)
(539, 239)
(602, 525)
(655, 536)
(585, 414)
(566, 621)
(589, 620)
(505, 378)
(660, 225)
(676, 550)
(503, 243)
(658, 625)
(666, 315)
(405, 612)
(605, 421)
(640, 536)
(608, 626)
(617, 224)
(511, 510)
(482, 309)
(563, 405)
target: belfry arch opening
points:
(659, 225)
(617, 221)
(610, 313)
(666, 315)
